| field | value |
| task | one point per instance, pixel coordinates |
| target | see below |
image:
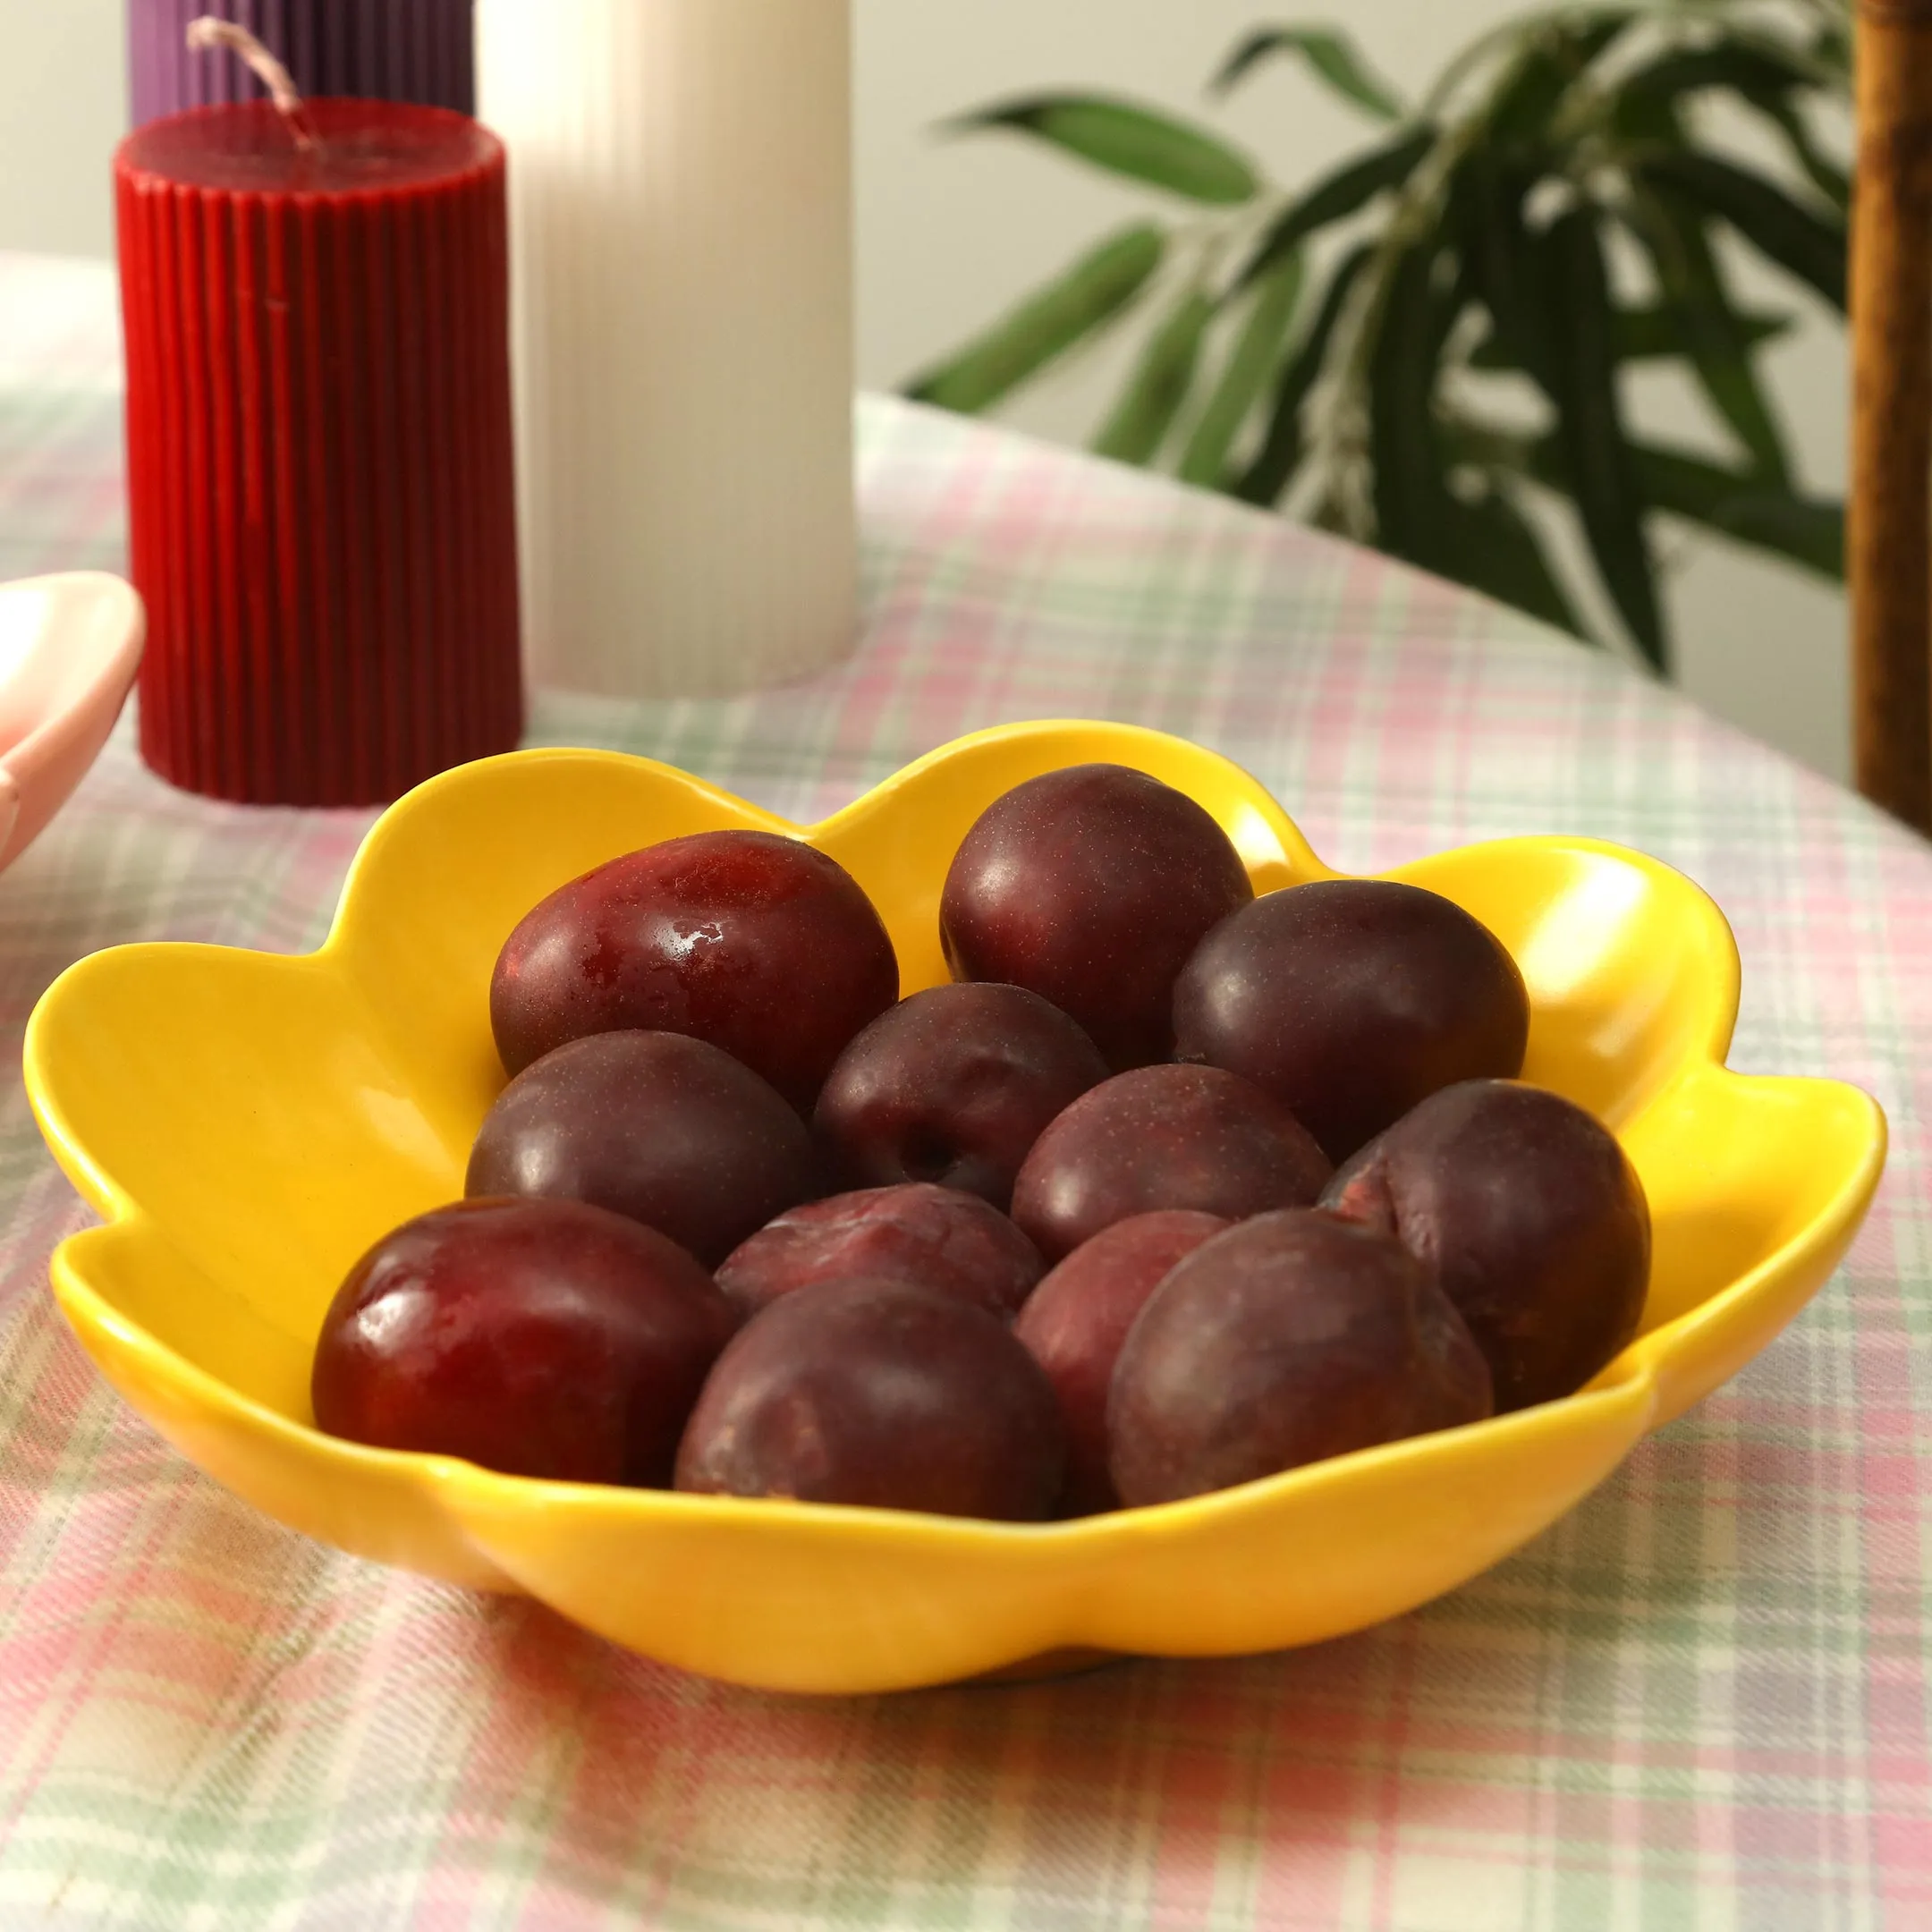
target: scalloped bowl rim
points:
(1630, 1383)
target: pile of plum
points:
(1171, 1189)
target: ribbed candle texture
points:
(681, 232)
(321, 497)
(405, 50)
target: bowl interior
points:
(273, 1116)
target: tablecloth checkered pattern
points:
(1699, 1704)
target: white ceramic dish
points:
(70, 646)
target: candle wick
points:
(207, 33)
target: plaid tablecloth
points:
(1700, 1702)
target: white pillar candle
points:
(681, 240)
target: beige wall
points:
(63, 101)
(949, 231)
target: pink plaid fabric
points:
(1699, 1701)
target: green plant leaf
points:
(1485, 541)
(1766, 76)
(1124, 138)
(1336, 196)
(1591, 437)
(1805, 244)
(1825, 175)
(1553, 57)
(1412, 493)
(1830, 46)
(1755, 69)
(1507, 264)
(1158, 387)
(1807, 530)
(1650, 331)
(1710, 331)
(1496, 550)
(1331, 53)
(1253, 359)
(1280, 455)
(1087, 296)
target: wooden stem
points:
(1890, 534)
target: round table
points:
(1699, 1701)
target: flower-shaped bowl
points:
(248, 1124)
(69, 648)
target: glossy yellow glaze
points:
(248, 1124)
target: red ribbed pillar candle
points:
(321, 495)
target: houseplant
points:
(1423, 349)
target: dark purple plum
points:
(539, 1337)
(1291, 1338)
(919, 1233)
(668, 1130)
(953, 1085)
(754, 942)
(1090, 886)
(1531, 1217)
(1350, 1001)
(879, 1394)
(1076, 1321)
(1164, 1137)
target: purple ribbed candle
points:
(404, 50)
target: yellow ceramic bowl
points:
(249, 1123)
